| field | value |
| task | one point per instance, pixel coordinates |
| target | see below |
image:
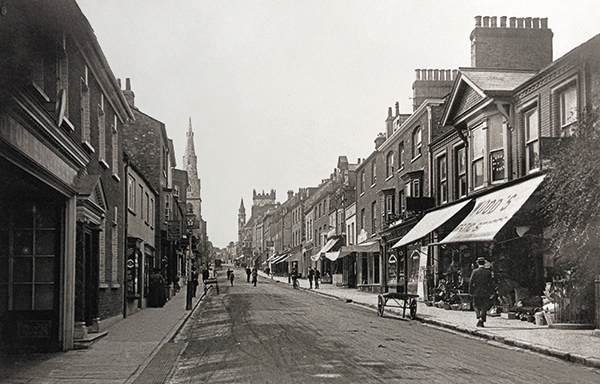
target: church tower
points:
(241, 223)
(190, 163)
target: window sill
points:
(416, 158)
(131, 211)
(373, 185)
(86, 144)
(66, 124)
(116, 177)
(104, 164)
(389, 177)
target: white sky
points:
(278, 89)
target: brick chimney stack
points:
(500, 46)
(431, 83)
(128, 93)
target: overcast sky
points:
(278, 89)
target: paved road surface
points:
(274, 334)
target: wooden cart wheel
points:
(380, 305)
(413, 309)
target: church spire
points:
(190, 162)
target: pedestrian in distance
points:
(311, 275)
(248, 273)
(231, 277)
(481, 288)
(317, 278)
(254, 276)
(194, 281)
(156, 289)
(228, 273)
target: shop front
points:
(37, 239)
(505, 228)
(415, 262)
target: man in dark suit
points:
(481, 287)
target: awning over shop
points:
(330, 244)
(282, 259)
(492, 212)
(273, 257)
(240, 257)
(367, 247)
(430, 222)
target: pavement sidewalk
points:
(119, 357)
(581, 346)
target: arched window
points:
(417, 143)
(389, 162)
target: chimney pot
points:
(417, 74)
(389, 111)
(430, 74)
(449, 75)
(397, 108)
(503, 21)
(119, 82)
(477, 21)
(544, 23)
(454, 74)
(513, 22)
(486, 21)
(436, 74)
(528, 22)
(520, 21)
(493, 21)
(536, 22)
(128, 84)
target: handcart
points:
(211, 282)
(406, 301)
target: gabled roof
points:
(477, 87)
(490, 81)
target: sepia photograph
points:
(278, 191)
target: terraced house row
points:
(90, 196)
(456, 179)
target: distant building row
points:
(454, 180)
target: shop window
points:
(28, 268)
(417, 142)
(532, 152)
(442, 179)
(497, 159)
(376, 269)
(389, 164)
(477, 153)
(461, 172)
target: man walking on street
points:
(248, 272)
(317, 277)
(254, 276)
(311, 275)
(481, 287)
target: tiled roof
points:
(490, 80)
